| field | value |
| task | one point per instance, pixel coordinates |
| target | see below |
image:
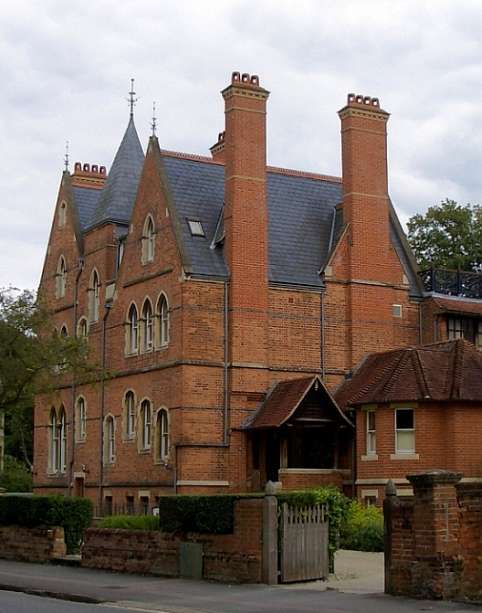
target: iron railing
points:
(452, 282)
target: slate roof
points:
(466, 306)
(119, 192)
(86, 200)
(450, 370)
(284, 400)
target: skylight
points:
(196, 227)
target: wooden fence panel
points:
(303, 543)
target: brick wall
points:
(433, 543)
(299, 479)
(31, 544)
(233, 557)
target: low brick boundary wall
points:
(433, 542)
(31, 544)
(236, 557)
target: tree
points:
(449, 235)
(32, 359)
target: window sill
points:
(80, 441)
(129, 439)
(164, 463)
(162, 347)
(148, 350)
(131, 354)
(145, 451)
(404, 456)
(369, 457)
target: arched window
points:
(146, 424)
(162, 429)
(148, 240)
(62, 464)
(62, 214)
(60, 277)
(94, 296)
(82, 328)
(53, 442)
(63, 331)
(109, 440)
(162, 321)
(81, 419)
(147, 326)
(132, 329)
(130, 414)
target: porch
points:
(300, 438)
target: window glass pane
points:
(405, 441)
(404, 419)
(371, 420)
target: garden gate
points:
(303, 543)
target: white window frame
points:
(162, 313)
(132, 330)
(62, 214)
(94, 296)
(147, 326)
(399, 451)
(81, 419)
(371, 435)
(61, 278)
(162, 435)
(148, 240)
(146, 418)
(62, 463)
(130, 414)
(53, 442)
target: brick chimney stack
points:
(87, 175)
(217, 150)
(246, 218)
(365, 186)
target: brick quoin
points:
(231, 339)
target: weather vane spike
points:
(154, 119)
(132, 98)
(66, 158)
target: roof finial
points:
(132, 98)
(66, 158)
(154, 119)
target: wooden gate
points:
(303, 543)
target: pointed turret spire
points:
(154, 119)
(118, 195)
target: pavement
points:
(355, 588)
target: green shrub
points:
(16, 477)
(205, 514)
(130, 522)
(74, 515)
(363, 528)
(337, 505)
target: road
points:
(120, 593)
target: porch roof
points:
(283, 401)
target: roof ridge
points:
(420, 371)
(291, 172)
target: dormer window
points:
(196, 227)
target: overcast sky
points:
(65, 69)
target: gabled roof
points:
(450, 370)
(284, 400)
(118, 195)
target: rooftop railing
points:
(452, 282)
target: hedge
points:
(130, 522)
(74, 515)
(363, 528)
(204, 514)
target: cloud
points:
(66, 69)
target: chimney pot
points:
(235, 77)
(255, 79)
(102, 170)
(245, 77)
(95, 168)
(78, 166)
(86, 167)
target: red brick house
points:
(213, 289)
(417, 408)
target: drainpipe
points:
(108, 306)
(80, 268)
(225, 368)
(322, 334)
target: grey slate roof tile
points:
(86, 200)
(119, 192)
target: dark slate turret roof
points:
(118, 195)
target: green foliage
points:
(130, 522)
(205, 514)
(363, 528)
(73, 514)
(32, 359)
(337, 505)
(16, 476)
(449, 235)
